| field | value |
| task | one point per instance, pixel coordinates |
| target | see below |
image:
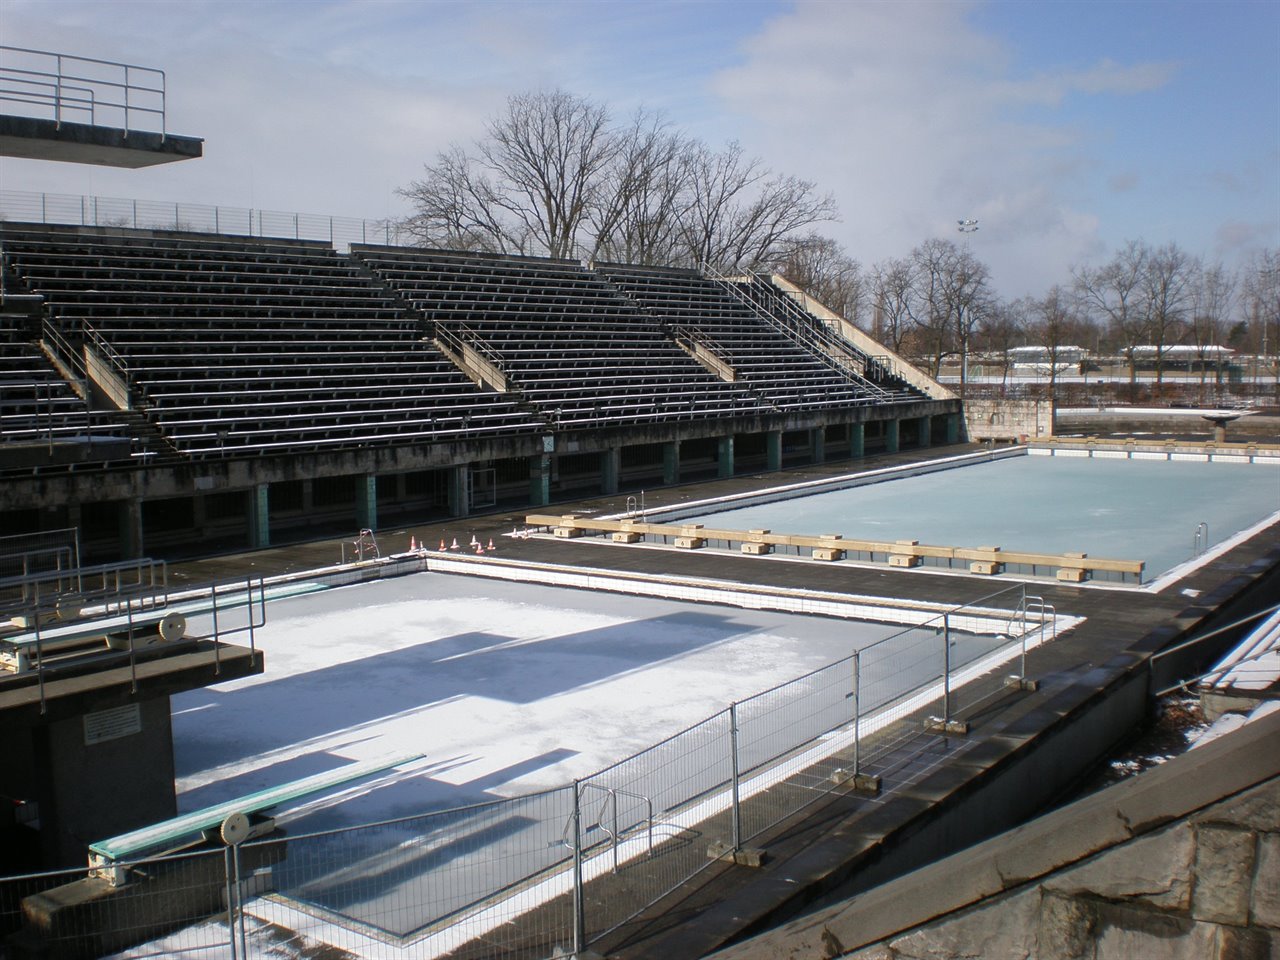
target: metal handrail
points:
(121, 85)
(805, 335)
(459, 335)
(814, 331)
(610, 802)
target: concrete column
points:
(772, 451)
(953, 428)
(540, 480)
(926, 431)
(367, 501)
(199, 514)
(259, 517)
(610, 468)
(857, 439)
(459, 503)
(818, 444)
(131, 544)
(671, 462)
(724, 457)
(74, 514)
(891, 436)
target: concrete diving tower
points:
(81, 110)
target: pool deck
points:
(848, 842)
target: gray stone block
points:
(1223, 870)
(1005, 928)
(1078, 832)
(1265, 904)
(1256, 809)
(1146, 933)
(1155, 870)
(1065, 928)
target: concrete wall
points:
(54, 489)
(125, 753)
(1008, 419)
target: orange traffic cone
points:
(454, 545)
(479, 549)
(474, 541)
(491, 544)
(413, 543)
(442, 544)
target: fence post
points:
(579, 903)
(235, 857)
(946, 668)
(231, 899)
(857, 712)
(1022, 669)
(737, 804)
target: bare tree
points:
(953, 292)
(893, 294)
(1052, 323)
(643, 200)
(821, 268)
(1167, 292)
(552, 176)
(930, 315)
(1261, 288)
(531, 184)
(1113, 295)
(455, 207)
(738, 212)
(1213, 299)
(1002, 327)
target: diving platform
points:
(31, 138)
(84, 110)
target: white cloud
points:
(914, 119)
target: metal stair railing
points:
(801, 330)
(815, 332)
(458, 336)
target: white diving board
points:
(189, 828)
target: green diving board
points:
(189, 828)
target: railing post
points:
(579, 902)
(217, 644)
(737, 800)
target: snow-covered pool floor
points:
(505, 687)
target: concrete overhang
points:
(32, 138)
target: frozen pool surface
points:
(1117, 509)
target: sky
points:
(1064, 128)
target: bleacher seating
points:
(777, 363)
(579, 352)
(36, 403)
(249, 346)
(235, 345)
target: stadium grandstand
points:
(149, 371)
